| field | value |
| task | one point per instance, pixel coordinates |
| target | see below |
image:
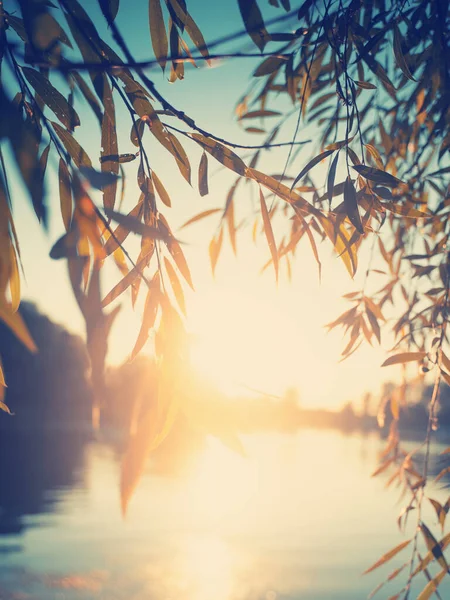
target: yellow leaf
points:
(386, 557)
(161, 190)
(158, 32)
(340, 237)
(404, 357)
(176, 285)
(442, 473)
(150, 311)
(432, 586)
(65, 193)
(4, 406)
(109, 145)
(17, 325)
(175, 250)
(215, 246)
(426, 560)
(406, 210)
(434, 546)
(125, 283)
(221, 153)
(2, 376)
(120, 234)
(202, 215)
(79, 156)
(269, 232)
(14, 280)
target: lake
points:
(298, 518)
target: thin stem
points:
(242, 146)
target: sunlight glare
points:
(207, 568)
(244, 339)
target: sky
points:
(247, 332)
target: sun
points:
(241, 339)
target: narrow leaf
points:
(404, 357)
(386, 557)
(52, 98)
(253, 21)
(65, 193)
(176, 285)
(150, 311)
(351, 205)
(378, 176)
(331, 178)
(399, 56)
(161, 190)
(135, 225)
(203, 175)
(221, 153)
(269, 232)
(310, 165)
(74, 149)
(202, 215)
(158, 32)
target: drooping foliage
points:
(372, 79)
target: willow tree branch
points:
(67, 66)
(233, 145)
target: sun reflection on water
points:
(223, 486)
(206, 567)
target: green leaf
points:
(310, 165)
(158, 32)
(52, 98)
(404, 357)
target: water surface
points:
(298, 518)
